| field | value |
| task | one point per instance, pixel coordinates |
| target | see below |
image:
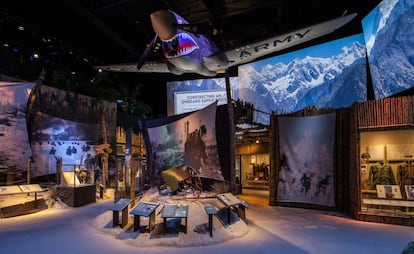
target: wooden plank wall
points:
(386, 113)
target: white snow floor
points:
(268, 229)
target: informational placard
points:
(409, 190)
(192, 101)
(210, 209)
(13, 189)
(174, 211)
(121, 204)
(31, 188)
(389, 191)
(377, 153)
(228, 199)
(17, 189)
(400, 152)
(145, 208)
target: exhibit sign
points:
(192, 101)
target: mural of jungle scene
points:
(306, 149)
(14, 140)
(71, 127)
(190, 140)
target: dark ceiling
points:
(75, 33)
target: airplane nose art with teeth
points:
(180, 45)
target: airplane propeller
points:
(147, 52)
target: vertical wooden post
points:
(28, 171)
(232, 139)
(104, 155)
(132, 173)
(274, 159)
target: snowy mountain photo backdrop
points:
(389, 36)
(330, 75)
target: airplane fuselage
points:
(187, 52)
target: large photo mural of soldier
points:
(190, 141)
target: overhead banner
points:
(307, 151)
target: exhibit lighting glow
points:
(20, 28)
(28, 91)
(36, 56)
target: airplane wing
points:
(261, 48)
(160, 66)
(248, 52)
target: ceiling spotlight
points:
(20, 28)
(45, 40)
(36, 56)
(6, 45)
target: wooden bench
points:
(146, 209)
(120, 206)
(210, 210)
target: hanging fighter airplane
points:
(187, 51)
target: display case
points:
(387, 173)
(76, 175)
(77, 184)
(256, 170)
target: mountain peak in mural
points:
(391, 47)
(331, 81)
